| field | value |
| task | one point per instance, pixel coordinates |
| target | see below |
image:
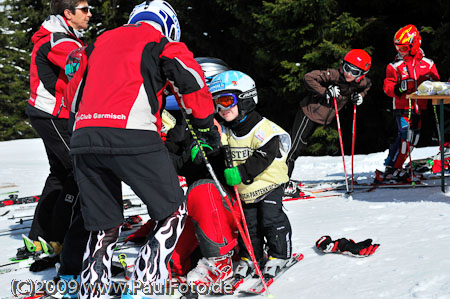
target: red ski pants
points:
(210, 225)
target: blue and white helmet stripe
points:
(160, 12)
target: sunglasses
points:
(225, 101)
(402, 48)
(84, 9)
(351, 69)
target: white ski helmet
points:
(239, 84)
(211, 66)
(160, 12)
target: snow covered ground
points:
(412, 226)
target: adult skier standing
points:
(349, 82)
(117, 137)
(403, 76)
(58, 35)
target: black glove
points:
(209, 136)
(345, 246)
(196, 157)
(44, 263)
(401, 87)
(332, 92)
(356, 98)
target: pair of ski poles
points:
(342, 144)
(237, 218)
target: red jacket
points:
(414, 69)
(52, 43)
(121, 93)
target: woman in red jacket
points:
(58, 35)
(403, 76)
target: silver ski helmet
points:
(211, 66)
(240, 85)
(160, 12)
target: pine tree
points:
(19, 20)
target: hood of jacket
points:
(55, 23)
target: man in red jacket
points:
(58, 35)
(403, 76)
(117, 136)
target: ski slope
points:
(412, 226)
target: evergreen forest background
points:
(275, 42)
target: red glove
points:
(345, 246)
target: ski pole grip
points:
(228, 157)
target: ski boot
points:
(32, 249)
(392, 175)
(292, 189)
(244, 268)
(210, 270)
(273, 266)
(50, 248)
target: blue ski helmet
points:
(239, 84)
(159, 12)
(171, 103)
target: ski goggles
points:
(351, 69)
(402, 48)
(225, 101)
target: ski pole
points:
(437, 124)
(229, 164)
(222, 192)
(340, 141)
(353, 143)
(408, 143)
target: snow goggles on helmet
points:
(351, 69)
(402, 48)
(225, 101)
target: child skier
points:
(258, 148)
(403, 76)
(346, 83)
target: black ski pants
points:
(58, 203)
(301, 130)
(266, 219)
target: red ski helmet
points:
(357, 62)
(408, 36)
